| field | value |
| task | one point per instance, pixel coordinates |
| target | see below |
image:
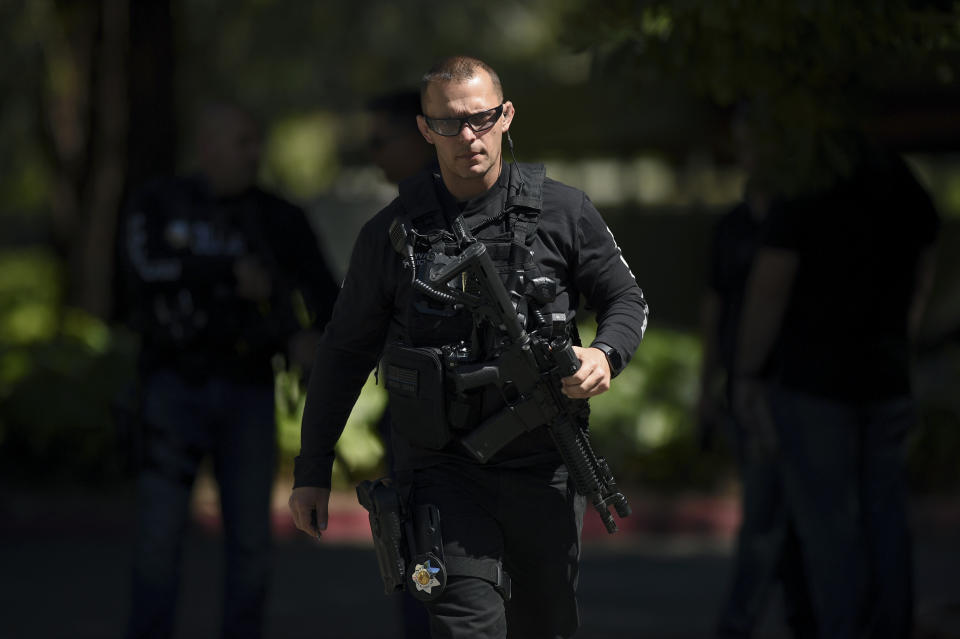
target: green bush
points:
(645, 425)
(360, 451)
(60, 370)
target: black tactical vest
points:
(507, 231)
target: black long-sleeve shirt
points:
(179, 245)
(572, 244)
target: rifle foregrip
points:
(575, 456)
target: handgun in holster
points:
(408, 542)
(387, 512)
(409, 545)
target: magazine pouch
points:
(414, 381)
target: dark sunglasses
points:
(477, 122)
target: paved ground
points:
(64, 568)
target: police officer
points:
(216, 269)
(516, 515)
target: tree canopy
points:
(813, 67)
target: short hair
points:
(458, 68)
(402, 104)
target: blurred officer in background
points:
(221, 276)
(767, 551)
(832, 305)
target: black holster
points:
(386, 509)
(407, 541)
(409, 545)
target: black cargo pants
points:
(528, 518)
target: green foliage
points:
(312, 67)
(29, 295)
(808, 69)
(941, 177)
(338, 53)
(799, 52)
(301, 154)
(644, 425)
(24, 173)
(59, 372)
(290, 396)
(56, 421)
(359, 451)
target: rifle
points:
(527, 371)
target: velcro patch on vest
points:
(401, 380)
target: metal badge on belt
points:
(427, 572)
(428, 577)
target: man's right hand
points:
(304, 502)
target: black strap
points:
(485, 568)
(525, 226)
(531, 177)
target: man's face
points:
(469, 161)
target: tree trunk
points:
(97, 86)
(92, 255)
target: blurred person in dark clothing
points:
(222, 276)
(767, 549)
(395, 143)
(834, 297)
